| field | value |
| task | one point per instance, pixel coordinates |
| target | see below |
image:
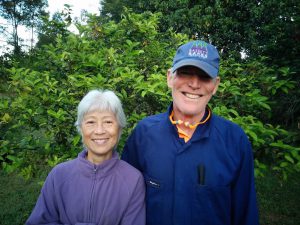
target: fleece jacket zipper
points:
(92, 194)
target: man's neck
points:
(187, 119)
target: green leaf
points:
(289, 158)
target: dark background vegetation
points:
(128, 49)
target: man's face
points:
(191, 91)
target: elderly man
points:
(198, 167)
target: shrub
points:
(131, 58)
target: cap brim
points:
(210, 70)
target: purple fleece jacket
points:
(78, 192)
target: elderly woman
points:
(96, 188)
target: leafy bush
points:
(247, 96)
(46, 92)
(130, 57)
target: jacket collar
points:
(202, 130)
(101, 170)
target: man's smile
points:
(191, 96)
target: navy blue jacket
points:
(208, 180)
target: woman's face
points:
(100, 134)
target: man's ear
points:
(169, 78)
(217, 82)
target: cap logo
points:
(199, 54)
(198, 49)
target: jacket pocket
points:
(154, 202)
(211, 205)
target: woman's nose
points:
(99, 129)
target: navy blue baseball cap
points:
(199, 54)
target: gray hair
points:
(102, 100)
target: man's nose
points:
(194, 81)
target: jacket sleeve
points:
(45, 211)
(135, 213)
(243, 190)
(130, 152)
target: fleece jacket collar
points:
(90, 169)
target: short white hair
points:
(101, 100)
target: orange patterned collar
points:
(187, 124)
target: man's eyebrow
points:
(185, 71)
(199, 73)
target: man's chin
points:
(191, 112)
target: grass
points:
(279, 202)
(17, 198)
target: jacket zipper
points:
(92, 194)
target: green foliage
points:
(21, 12)
(45, 93)
(130, 57)
(235, 27)
(55, 26)
(247, 95)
